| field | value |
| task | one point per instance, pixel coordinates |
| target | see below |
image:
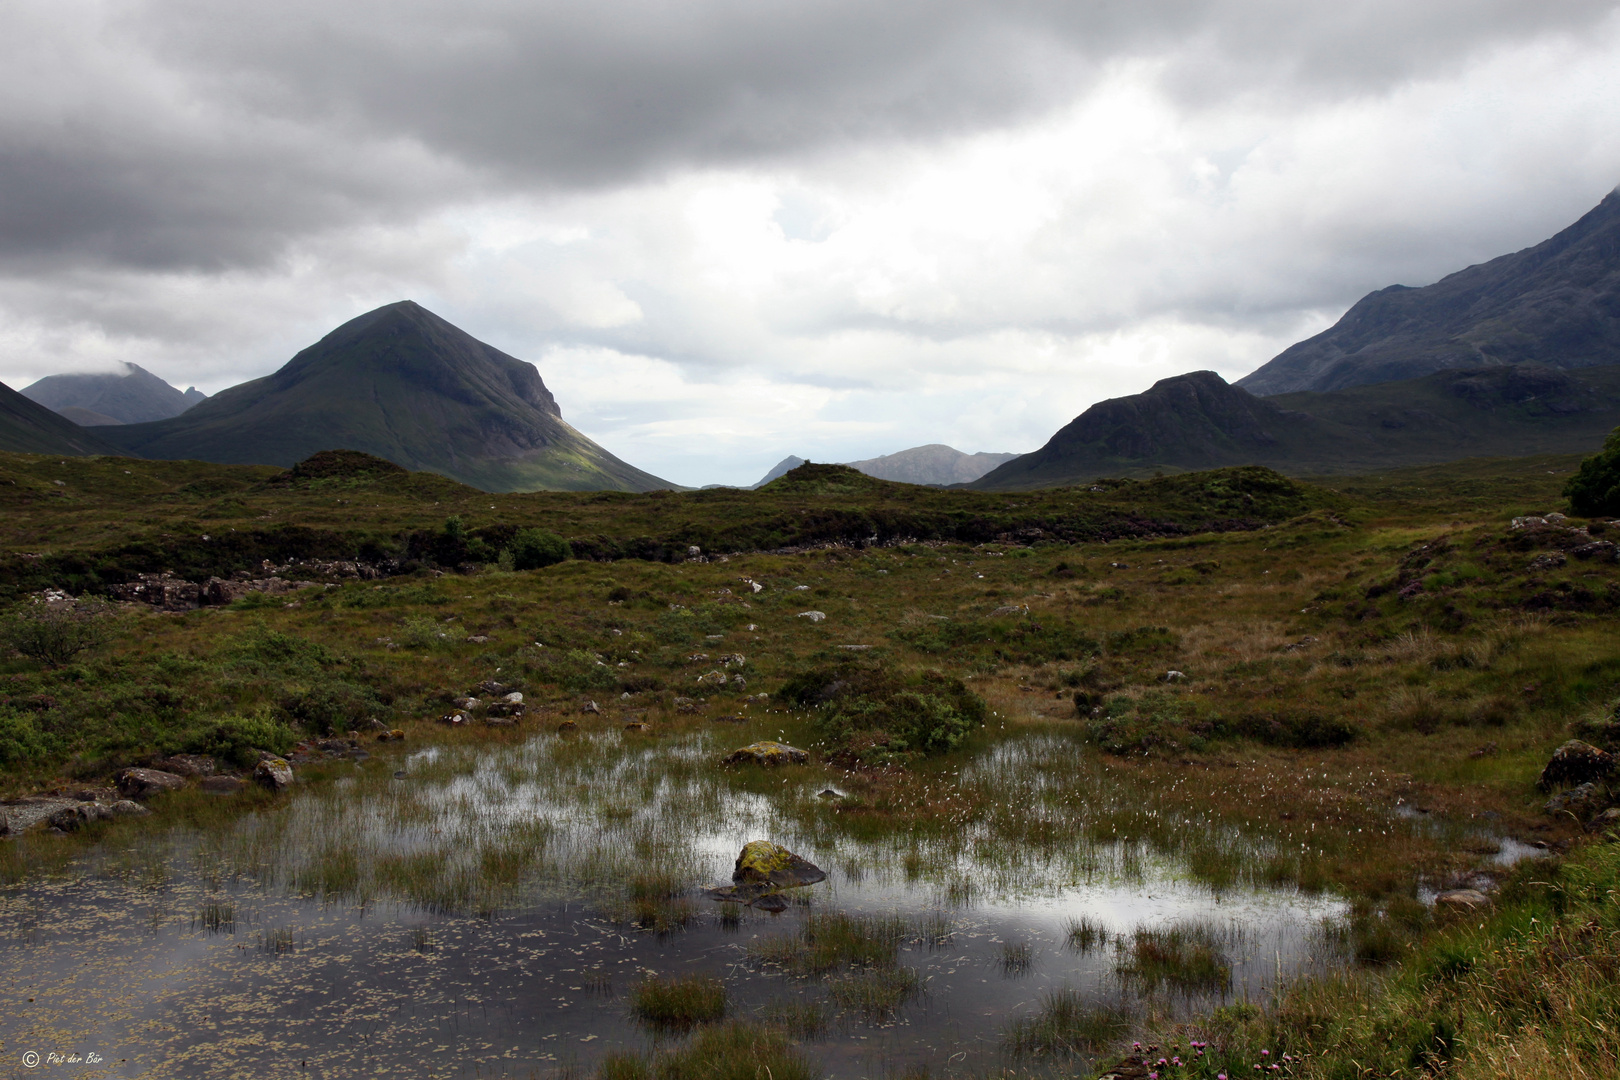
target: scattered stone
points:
(396, 735)
(144, 783)
(1582, 801)
(771, 902)
(566, 726)
(767, 753)
(697, 658)
(638, 725)
(763, 863)
(739, 683)
(194, 765)
(223, 785)
(1488, 750)
(1555, 518)
(273, 773)
(490, 687)
(1602, 550)
(687, 705)
(500, 721)
(731, 718)
(757, 699)
(733, 660)
(73, 818)
(505, 709)
(453, 719)
(514, 698)
(813, 616)
(1548, 560)
(126, 808)
(1462, 899)
(591, 707)
(801, 588)
(1174, 676)
(478, 639)
(1575, 762)
(829, 793)
(1010, 609)
(855, 648)
(1607, 821)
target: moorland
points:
(1345, 688)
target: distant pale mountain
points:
(931, 464)
(402, 384)
(130, 396)
(27, 427)
(781, 468)
(1198, 421)
(1557, 303)
(86, 417)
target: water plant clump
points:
(831, 940)
(1083, 935)
(1068, 1022)
(875, 993)
(679, 1002)
(1186, 957)
(735, 1051)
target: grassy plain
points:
(1331, 685)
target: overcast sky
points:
(730, 230)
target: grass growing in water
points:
(1083, 935)
(727, 1052)
(217, 917)
(1186, 958)
(679, 1002)
(1016, 956)
(831, 940)
(1066, 1023)
(800, 1019)
(876, 993)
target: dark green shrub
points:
(235, 738)
(54, 633)
(328, 706)
(927, 713)
(536, 548)
(1594, 490)
(20, 740)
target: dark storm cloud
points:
(181, 134)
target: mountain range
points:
(935, 464)
(1556, 303)
(131, 395)
(405, 385)
(27, 427)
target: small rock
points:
(126, 808)
(223, 785)
(1582, 801)
(1555, 518)
(514, 698)
(490, 687)
(592, 708)
(731, 718)
(1488, 750)
(1010, 609)
(1174, 676)
(566, 726)
(638, 725)
(1608, 821)
(1575, 762)
(829, 793)
(771, 902)
(466, 703)
(1462, 899)
(813, 616)
(1602, 550)
(274, 773)
(144, 783)
(73, 818)
(500, 721)
(453, 718)
(1548, 560)
(478, 639)
(687, 705)
(396, 735)
(625, 696)
(197, 765)
(767, 753)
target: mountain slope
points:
(781, 468)
(27, 427)
(132, 396)
(402, 384)
(1197, 421)
(931, 464)
(1557, 303)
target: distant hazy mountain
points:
(781, 468)
(402, 384)
(86, 417)
(26, 427)
(931, 464)
(131, 396)
(1197, 421)
(1557, 303)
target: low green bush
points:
(236, 738)
(533, 549)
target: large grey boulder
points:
(1583, 802)
(273, 773)
(144, 783)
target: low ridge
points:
(931, 464)
(402, 384)
(27, 427)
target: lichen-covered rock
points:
(1575, 762)
(273, 773)
(762, 862)
(72, 818)
(391, 735)
(687, 705)
(126, 808)
(640, 726)
(1462, 899)
(566, 726)
(144, 783)
(767, 753)
(1583, 801)
(197, 765)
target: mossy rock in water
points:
(763, 869)
(767, 753)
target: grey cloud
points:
(183, 134)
